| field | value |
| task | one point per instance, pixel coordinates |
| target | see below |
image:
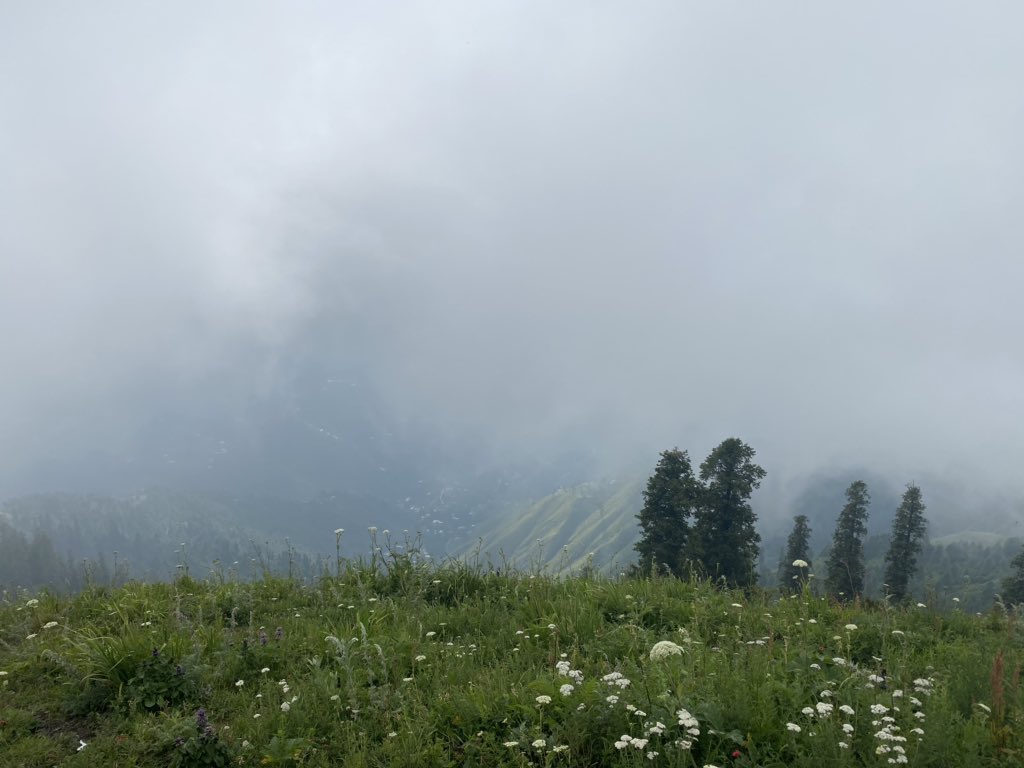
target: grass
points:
(397, 662)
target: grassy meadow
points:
(395, 661)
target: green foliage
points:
(200, 749)
(908, 529)
(1013, 585)
(400, 663)
(160, 682)
(845, 576)
(796, 562)
(724, 541)
(670, 498)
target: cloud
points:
(533, 226)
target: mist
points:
(452, 237)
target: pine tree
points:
(724, 540)
(1013, 585)
(908, 529)
(669, 500)
(845, 576)
(796, 563)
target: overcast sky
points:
(623, 225)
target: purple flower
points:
(201, 721)
(279, 633)
(263, 637)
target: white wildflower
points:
(539, 744)
(665, 648)
(850, 627)
(285, 706)
(566, 690)
(542, 700)
(793, 727)
(800, 563)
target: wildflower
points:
(793, 727)
(542, 700)
(562, 667)
(335, 697)
(539, 744)
(826, 694)
(846, 709)
(921, 605)
(689, 722)
(566, 690)
(809, 711)
(847, 728)
(338, 531)
(800, 564)
(897, 632)
(843, 745)
(956, 599)
(839, 661)
(879, 709)
(623, 741)
(239, 683)
(824, 709)
(421, 657)
(257, 716)
(639, 743)
(612, 700)
(285, 706)
(30, 637)
(737, 605)
(815, 666)
(812, 621)
(81, 745)
(665, 648)
(50, 625)
(657, 729)
(264, 670)
(372, 529)
(651, 755)
(850, 627)
(431, 634)
(560, 748)
(511, 744)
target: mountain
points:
(569, 529)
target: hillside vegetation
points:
(397, 662)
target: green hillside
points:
(392, 662)
(571, 528)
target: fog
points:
(510, 232)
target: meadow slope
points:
(397, 662)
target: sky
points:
(529, 227)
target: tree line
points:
(703, 524)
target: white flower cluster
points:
(665, 648)
(692, 727)
(565, 670)
(616, 679)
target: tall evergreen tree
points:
(845, 570)
(1013, 585)
(724, 540)
(908, 529)
(796, 562)
(670, 497)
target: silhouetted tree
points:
(845, 569)
(796, 562)
(908, 529)
(1013, 585)
(669, 500)
(724, 540)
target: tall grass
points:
(395, 661)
